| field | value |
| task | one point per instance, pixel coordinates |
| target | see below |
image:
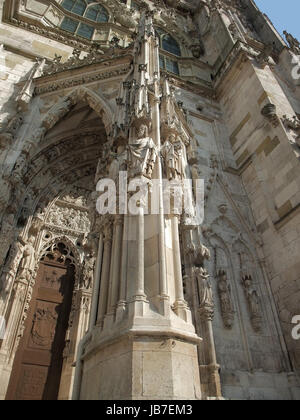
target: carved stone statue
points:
(88, 272)
(206, 301)
(253, 302)
(118, 162)
(142, 154)
(38, 135)
(19, 169)
(293, 43)
(11, 266)
(8, 134)
(6, 231)
(225, 299)
(28, 262)
(101, 171)
(172, 152)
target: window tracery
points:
(169, 44)
(88, 9)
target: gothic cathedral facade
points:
(164, 304)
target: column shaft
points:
(177, 261)
(105, 275)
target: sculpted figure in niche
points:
(172, 152)
(102, 163)
(142, 153)
(253, 302)
(206, 301)
(38, 135)
(11, 266)
(8, 223)
(88, 272)
(118, 161)
(27, 265)
(225, 299)
(19, 169)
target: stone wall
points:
(269, 167)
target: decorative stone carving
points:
(7, 134)
(11, 266)
(225, 299)
(198, 254)
(117, 162)
(43, 330)
(264, 57)
(19, 170)
(69, 217)
(142, 153)
(292, 124)
(101, 171)
(206, 302)
(172, 152)
(253, 302)
(88, 272)
(26, 93)
(293, 43)
(77, 196)
(269, 112)
(6, 231)
(28, 262)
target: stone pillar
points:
(150, 350)
(123, 275)
(180, 306)
(103, 296)
(210, 371)
(138, 301)
(96, 285)
(15, 319)
(78, 326)
(115, 271)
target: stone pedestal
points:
(140, 366)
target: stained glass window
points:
(172, 66)
(69, 25)
(94, 12)
(169, 65)
(86, 31)
(167, 42)
(162, 62)
(88, 9)
(97, 13)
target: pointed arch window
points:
(77, 28)
(87, 8)
(167, 42)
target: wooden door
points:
(38, 363)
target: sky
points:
(283, 14)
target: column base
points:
(182, 310)
(210, 381)
(138, 307)
(142, 367)
(162, 302)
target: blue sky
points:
(283, 14)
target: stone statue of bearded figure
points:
(142, 153)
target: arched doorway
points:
(38, 363)
(57, 181)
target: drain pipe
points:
(92, 322)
